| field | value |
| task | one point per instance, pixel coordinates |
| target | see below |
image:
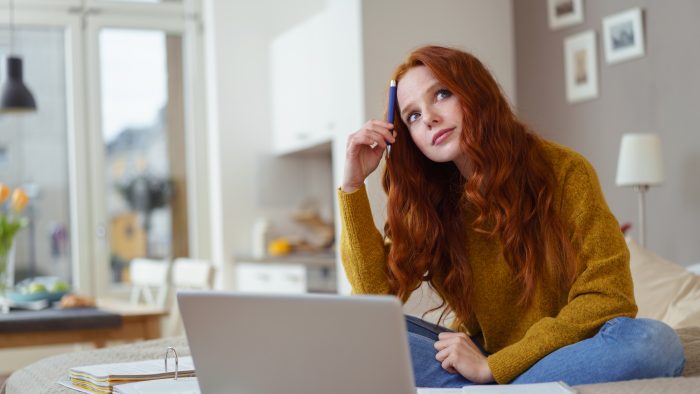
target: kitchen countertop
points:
(317, 260)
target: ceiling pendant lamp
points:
(15, 96)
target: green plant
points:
(10, 224)
(8, 229)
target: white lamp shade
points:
(640, 162)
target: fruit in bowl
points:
(40, 288)
(36, 288)
(60, 286)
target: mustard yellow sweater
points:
(518, 337)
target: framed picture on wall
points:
(623, 36)
(564, 13)
(580, 67)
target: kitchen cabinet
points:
(302, 86)
(294, 274)
(271, 278)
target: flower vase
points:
(7, 276)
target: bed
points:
(664, 291)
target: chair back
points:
(188, 273)
(192, 274)
(149, 279)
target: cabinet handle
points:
(264, 277)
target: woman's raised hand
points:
(364, 152)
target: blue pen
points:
(390, 110)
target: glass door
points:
(34, 154)
(107, 155)
(138, 149)
(39, 150)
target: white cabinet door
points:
(302, 95)
(271, 278)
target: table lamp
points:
(639, 165)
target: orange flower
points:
(19, 200)
(4, 192)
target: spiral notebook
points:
(173, 375)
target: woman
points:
(511, 230)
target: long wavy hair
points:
(508, 195)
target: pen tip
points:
(392, 83)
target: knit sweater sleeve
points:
(362, 247)
(602, 290)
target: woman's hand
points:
(364, 152)
(458, 354)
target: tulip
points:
(4, 192)
(19, 200)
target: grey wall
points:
(658, 93)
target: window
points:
(34, 155)
(142, 132)
(105, 153)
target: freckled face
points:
(432, 113)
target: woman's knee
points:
(653, 344)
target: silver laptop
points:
(301, 344)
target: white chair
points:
(194, 274)
(149, 281)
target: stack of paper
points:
(103, 377)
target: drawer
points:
(271, 278)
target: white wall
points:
(249, 182)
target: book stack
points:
(103, 378)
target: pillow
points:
(664, 290)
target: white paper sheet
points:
(537, 388)
(170, 386)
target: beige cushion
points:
(664, 290)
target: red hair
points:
(508, 194)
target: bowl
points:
(20, 293)
(50, 296)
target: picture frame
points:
(563, 13)
(581, 66)
(623, 36)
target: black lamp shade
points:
(15, 95)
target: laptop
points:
(297, 344)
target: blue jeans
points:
(623, 349)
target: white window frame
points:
(82, 20)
